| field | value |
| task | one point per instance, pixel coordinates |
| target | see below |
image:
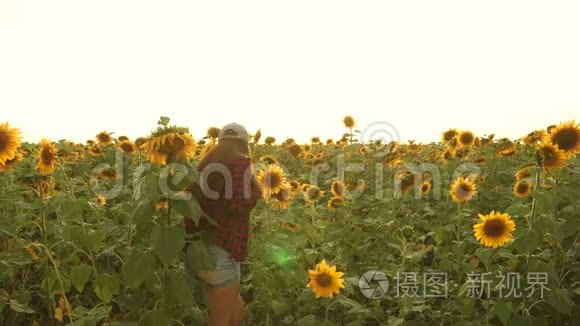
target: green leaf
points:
(503, 310)
(138, 268)
(180, 291)
(518, 209)
(309, 320)
(484, 255)
(79, 276)
(560, 300)
(154, 318)
(528, 241)
(164, 121)
(19, 307)
(143, 212)
(544, 201)
(106, 287)
(93, 240)
(189, 208)
(197, 257)
(168, 241)
(346, 302)
(279, 307)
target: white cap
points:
(237, 131)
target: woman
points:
(227, 193)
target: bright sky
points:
(69, 69)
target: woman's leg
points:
(221, 302)
(239, 312)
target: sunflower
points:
(552, 158)
(268, 159)
(448, 135)
(534, 137)
(392, 159)
(272, 179)
(407, 182)
(338, 189)
(292, 227)
(312, 194)
(325, 281)
(567, 136)
(462, 190)
(9, 142)
(507, 150)
(495, 230)
(465, 138)
(270, 140)
(522, 188)
(348, 122)
(11, 163)
(295, 150)
(523, 173)
(46, 157)
(425, 188)
(101, 200)
(104, 138)
(329, 142)
(122, 138)
(160, 147)
(95, 151)
(207, 148)
(127, 147)
(335, 203)
(315, 140)
(213, 132)
(284, 196)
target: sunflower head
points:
(122, 138)
(448, 135)
(338, 189)
(466, 138)
(166, 143)
(292, 227)
(348, 122)
(463, 190)
(495, 229)
(213, 132)
(104, 138)
(127, 147)
(46, 158)
(335, 203)
(284, 196)
(522, 188)
(9, 142)
(270, 140)
(268, 159)
(315, 140)
(523, 173)
(566, 136)
(325, 281)
(552, 157)
(425, 188)
(295, 150)
(534, 137)
(11, 163)
(312, 194)
(101, 200)
(272, 179)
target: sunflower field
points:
(468, 230)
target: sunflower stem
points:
(535, 201)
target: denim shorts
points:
(227, 269)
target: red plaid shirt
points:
(229, 203)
